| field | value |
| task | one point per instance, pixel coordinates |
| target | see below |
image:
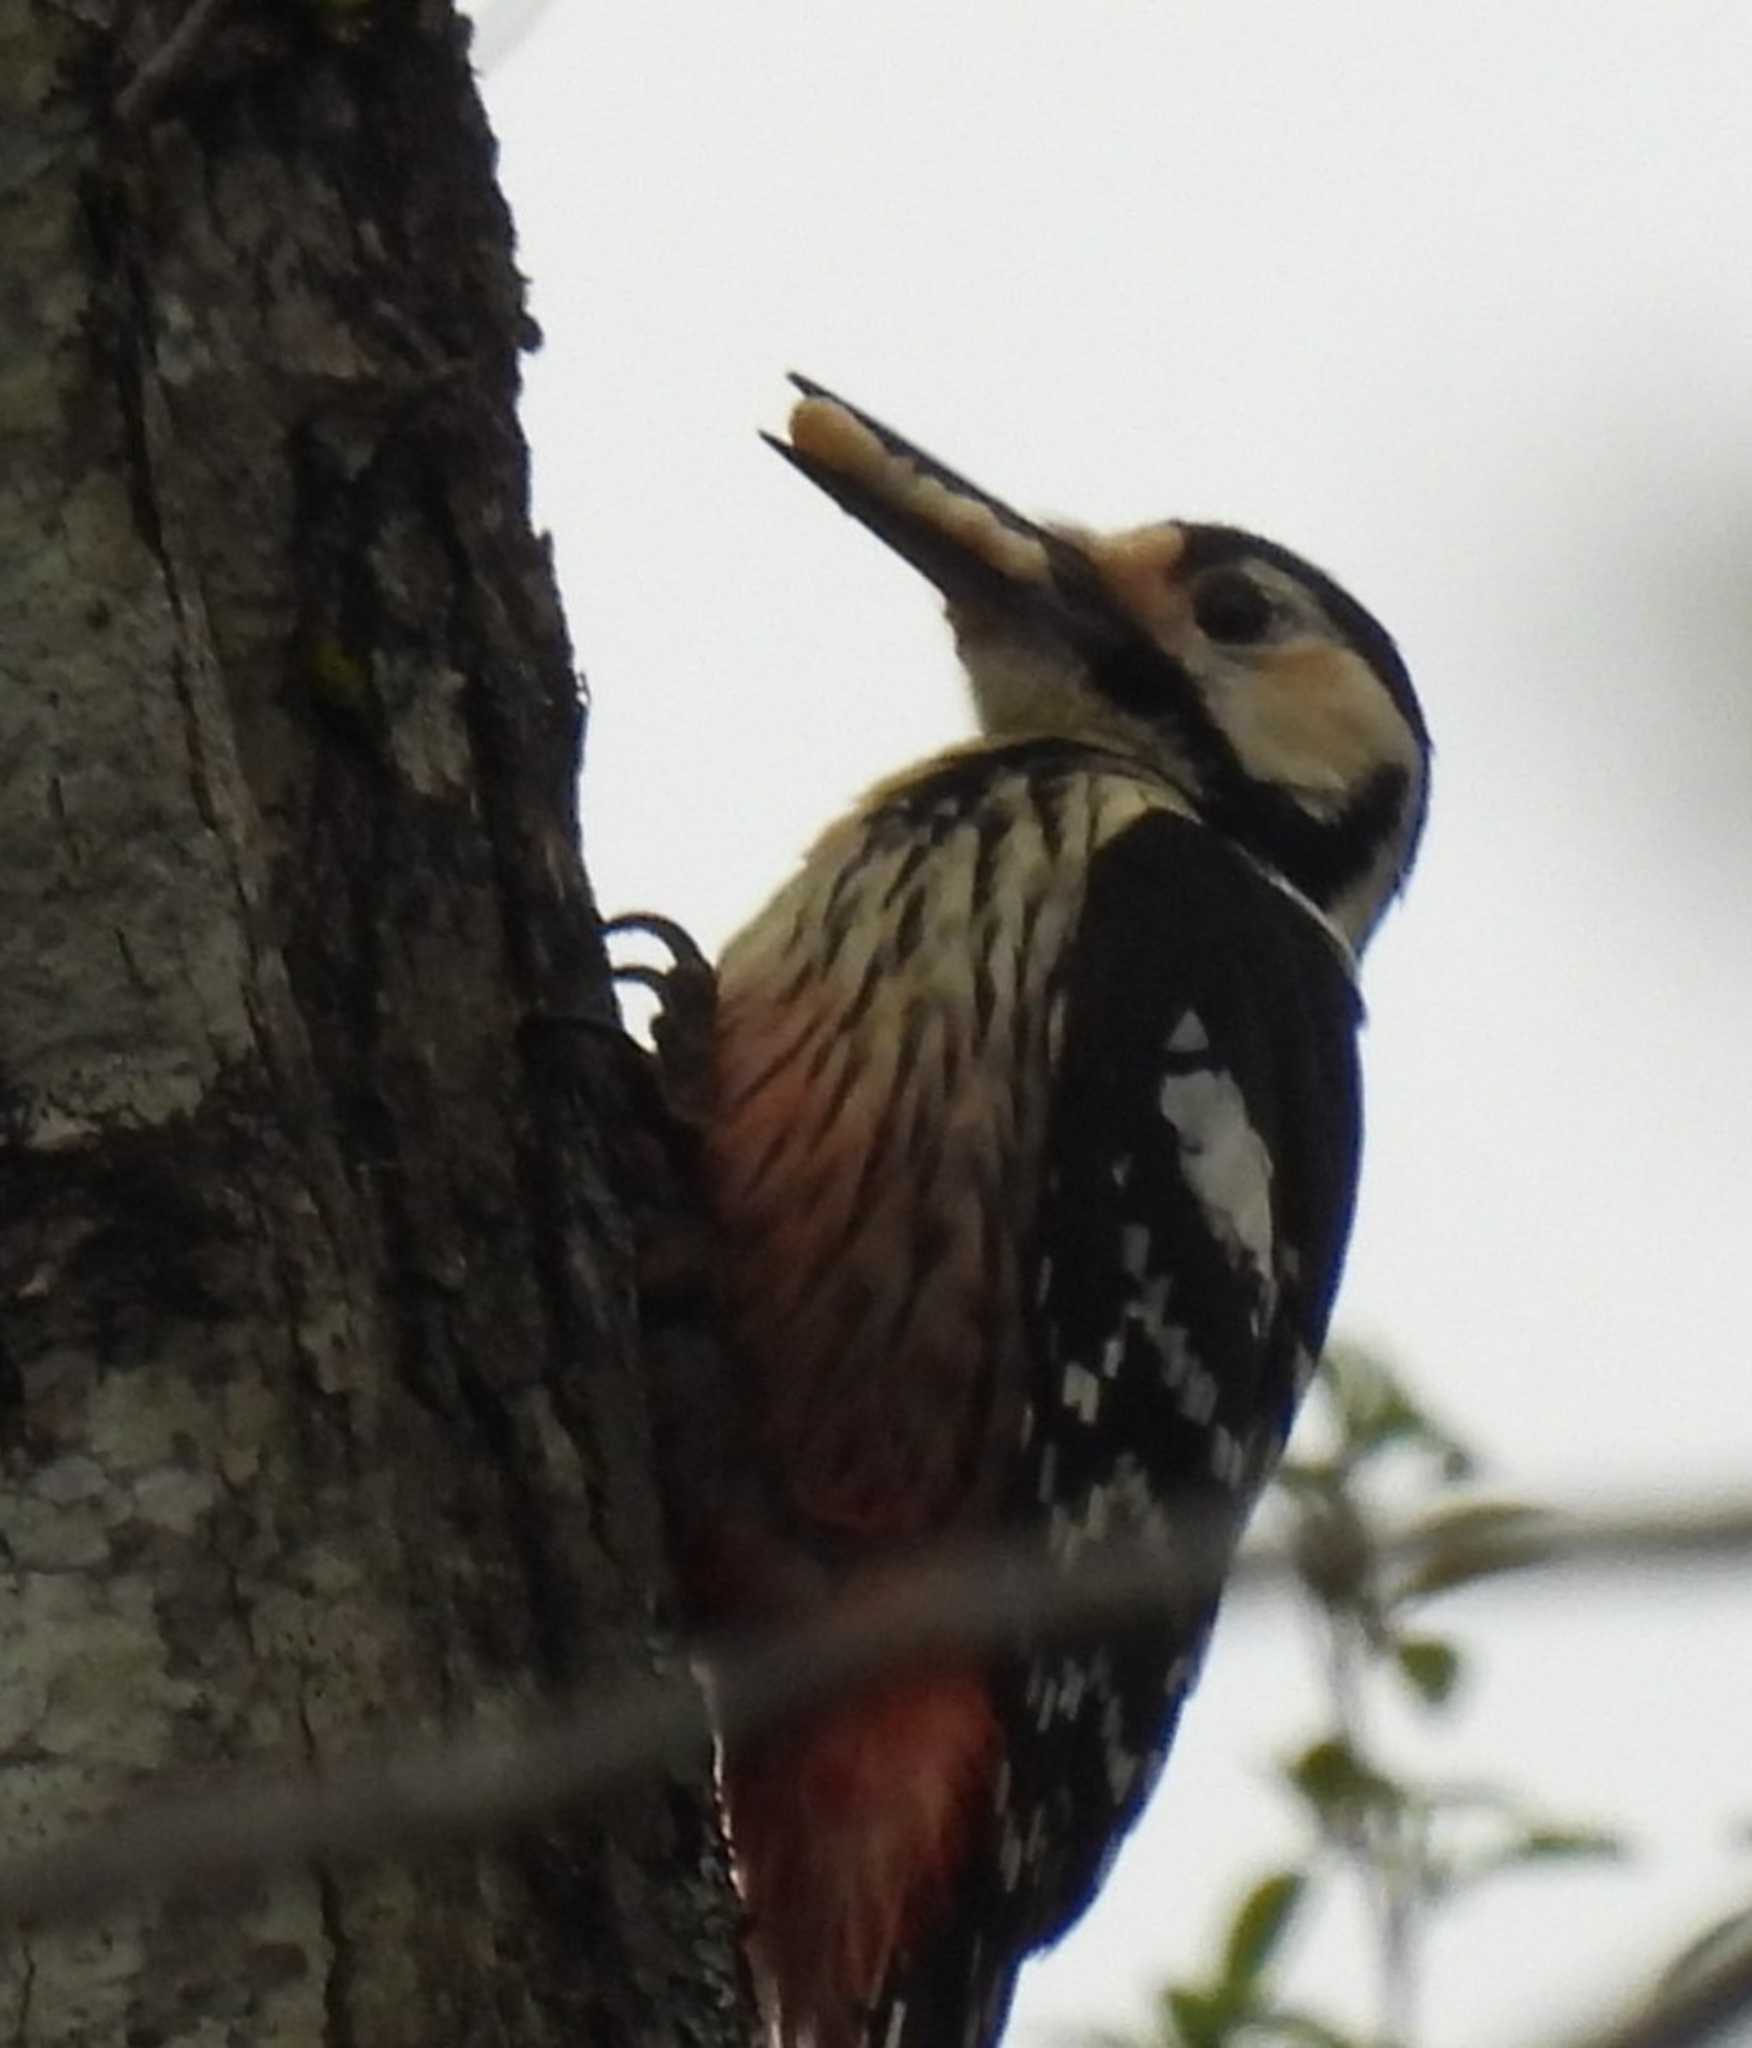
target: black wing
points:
(1201, 1168)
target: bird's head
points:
(1264, 692)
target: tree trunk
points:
(318, 1402)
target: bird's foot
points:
(684, 1027)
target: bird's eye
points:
(1229, 606)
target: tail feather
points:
(851, 1832)
(954, 1992)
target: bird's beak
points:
(987, 560)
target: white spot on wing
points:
(1055, 1029)
(1148, 1311)
(1189, 1034)
(1048, 1474)
(1225, 1161)
(1122, 1762)
(1130, 1506)
(1080, 1391)
(1228, 1458)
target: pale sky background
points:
(1457, 300)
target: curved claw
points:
(656, 979)
(687, 1007)
(683, 947)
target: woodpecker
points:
(1029, 1141)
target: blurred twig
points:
(1708, 1998)
(252, 1823)
(1457, 1546)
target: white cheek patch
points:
(1314, 719)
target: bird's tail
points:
(850, 1830)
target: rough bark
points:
(318, 1408)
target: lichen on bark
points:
(319, 1412)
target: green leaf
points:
(1334, 1551)
(1259, 1926)
(1375, 1413)
(1430, 1665)
(1309, 1479)
(1338, 1784)
(1533, 1844)
(1565, 1844)
(1200, 2019)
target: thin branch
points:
(1458, 1546)
(1708, 1999)
(252, 1824)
